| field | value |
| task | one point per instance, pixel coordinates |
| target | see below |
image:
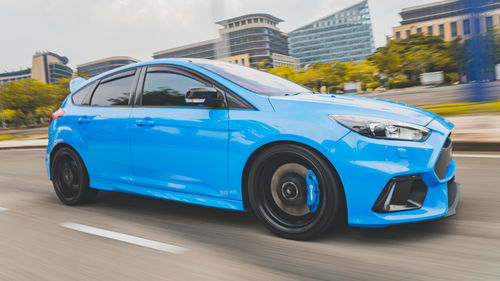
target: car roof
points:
(176, 61)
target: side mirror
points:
(204, 96)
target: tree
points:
(403, 60)
(27, 101)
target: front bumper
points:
(453, 197)
(367, 165)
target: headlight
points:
(382, 128)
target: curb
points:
(457, 146)
(23, 147)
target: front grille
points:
(444, 159)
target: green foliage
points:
(402, 61)
(29, 102)
(331, 75)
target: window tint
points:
(81, 94)
(114, 92)
(167, 89)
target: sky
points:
(93, 29)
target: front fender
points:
(251, 130)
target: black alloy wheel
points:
(70, 178)
(278, 190)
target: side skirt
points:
(215, 202)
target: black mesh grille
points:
(444, 159)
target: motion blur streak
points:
(226, 245)
(3, 209)
(476, 156)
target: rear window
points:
(113, 92)
(79, 97)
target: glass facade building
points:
(47, 67)
(343, 36)
(94, 68)
(255, 35)
(449, 19)
(8, 77)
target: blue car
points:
(227, 136)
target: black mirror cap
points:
(204, 96)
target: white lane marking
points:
(124, 238)
(3, 209)
(476, 156)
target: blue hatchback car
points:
(223, 135)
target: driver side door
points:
(174, 145)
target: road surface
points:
(125, 237)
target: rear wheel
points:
(70, 178)
(279, 184)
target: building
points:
(47, 67)
(342, 36)
(281, 60)
(449, 19)
(246, 40)
(96, 67)
(12, 76)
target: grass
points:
(464, 108)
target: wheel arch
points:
(251, 159)
(56, 148)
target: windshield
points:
(254, 80)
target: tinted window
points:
(81, 94)
(167, 88)
(255, 80)
(113, 92)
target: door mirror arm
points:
(204, 96)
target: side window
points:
(167, 89)
(113, 91)
(81, 94)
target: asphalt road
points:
(23, 132)
(210, 244)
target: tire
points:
(277, 168)
(70, 178)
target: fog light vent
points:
(401, 194)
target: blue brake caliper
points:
(312, 191)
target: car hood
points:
(351, 105)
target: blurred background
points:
(443, 56)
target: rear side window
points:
(114, 90)
(167, 89)
(79, 97)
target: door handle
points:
(146, 122)
(84, 120)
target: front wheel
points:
(70, 178)
(294, 192)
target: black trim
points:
(131, 100)
(453, 197)
(402, 193)
(444, 159)
(139, 87)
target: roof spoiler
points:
(75, 83)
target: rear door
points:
(176, 146)
(106, 130)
